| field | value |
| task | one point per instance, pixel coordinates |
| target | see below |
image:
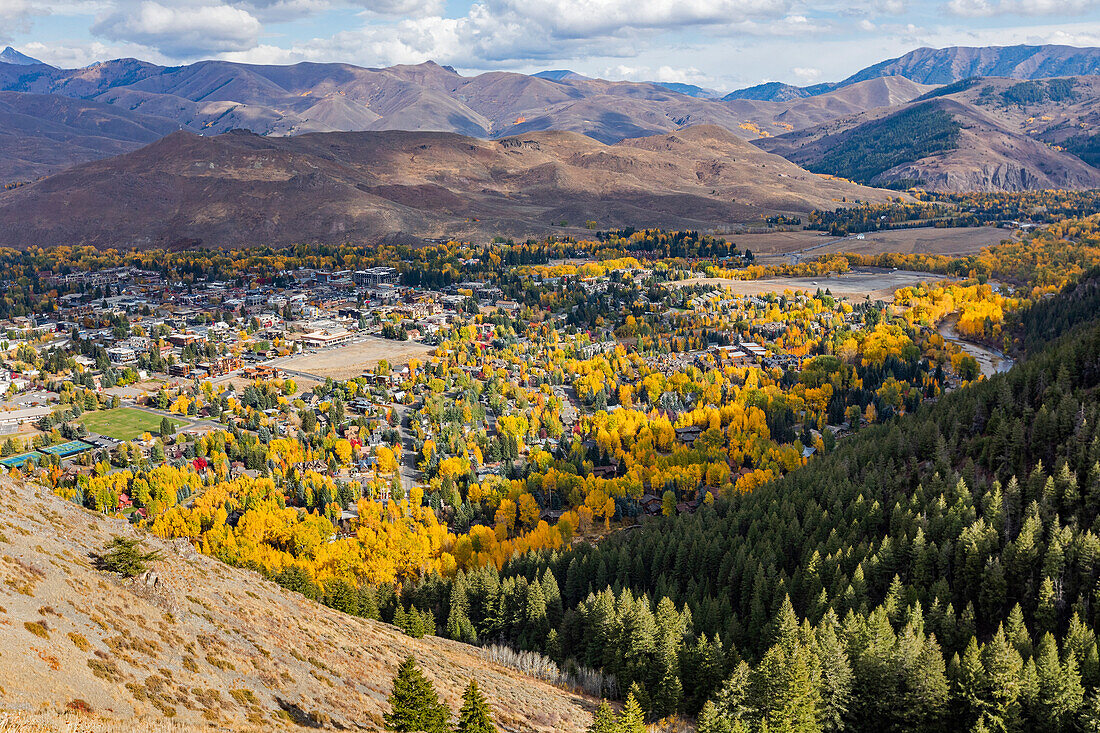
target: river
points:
(990, 360)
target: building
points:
(754, 350)
(121, 355)
(375, 276)
(12, 418)
(325, 338)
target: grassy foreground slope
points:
(209, 644)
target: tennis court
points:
(20, 460)
(65, 450)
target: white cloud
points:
(788, 25)
(806, 75)
(891, 7)
(584, 18)
(664, 73)
(496, 33)
(284, 10)
(183, 29)
(14, 18)
(986, 8)
(73, 56)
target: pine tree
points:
(711, 721)
(632, 718)
(1045, 613)
(1003, 667)
(604, 720)
(414, 703)
(459, 627)
(638, 692)
(835, 682)
(474, 716)
(1060, 691)
(971, 684)
(782, 691)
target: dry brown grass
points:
(346, 362)
(957, 241)
(876, 285)
(215, 646)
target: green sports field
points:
(124, 423)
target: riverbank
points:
(990, 361)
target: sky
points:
(719, 44)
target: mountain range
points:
(1003, 118)
(213, 97)
(946, 65)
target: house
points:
(650, 503)
(688, 434)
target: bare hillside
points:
(948, 143)
(207, 645)
(240, 188)
(42, 134)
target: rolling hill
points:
(42, 134)
(976, 138)
(207, 644)
(242, 188)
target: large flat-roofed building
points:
(374, 276)
(321, 339)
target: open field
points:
(346, 362)
(958, 241)
(862, 283)
(125, 423)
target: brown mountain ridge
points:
(1006, 136)
(241, 189)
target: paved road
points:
(410, 474)
(796, 256)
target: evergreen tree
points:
(782, 693)
(459, 626)
(1060, 691)
(604, 720)
(835, 675)
(474, 716)
(632, 718)
(414, 703)
(711, 721)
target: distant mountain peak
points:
(691, 90)
(559, 75)
(771, 91)
(10, 56)
(947, 65)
